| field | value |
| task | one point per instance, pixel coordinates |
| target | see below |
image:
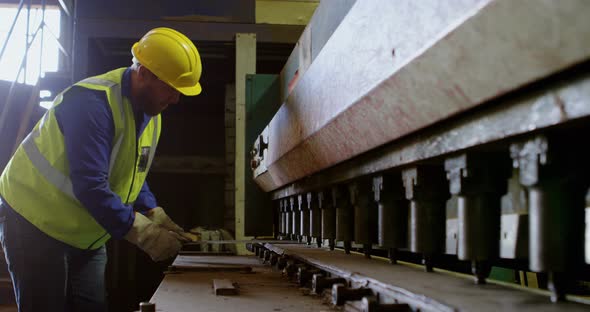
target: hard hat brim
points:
(190, 91)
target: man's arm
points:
(85, 120)
(145, 200)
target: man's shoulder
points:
(79, 99)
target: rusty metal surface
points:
(261, 290)
(393, 67)
(557, 102)
(427, 291)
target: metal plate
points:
(394, 67)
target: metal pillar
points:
(392, 209)
(552, 172)
(315, 218)
(360, 198)
(426, 190)
(304, 217)
(344, 215)
(478, 181)
(326, 205)
(295, 219)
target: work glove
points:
(159, 243)
(158, 216)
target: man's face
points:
(156, 95)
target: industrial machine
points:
(453, 132)
(411, 156)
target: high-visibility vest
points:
(36, 182)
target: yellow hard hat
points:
(172, 57)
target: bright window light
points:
(46, 104)
(14, 53)
(44, 93)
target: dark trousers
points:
(49, 275)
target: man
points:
(79, 178)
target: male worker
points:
(79, 178)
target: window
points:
(15, 50)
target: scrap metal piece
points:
(147, 307)
(224, 287)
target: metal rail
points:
(410, 284)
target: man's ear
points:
(142, 73)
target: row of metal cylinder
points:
(474, 205)
(362, 299)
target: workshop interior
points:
(344, 155)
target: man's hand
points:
(158, 242)
(159, 217)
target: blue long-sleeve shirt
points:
(86, 122)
